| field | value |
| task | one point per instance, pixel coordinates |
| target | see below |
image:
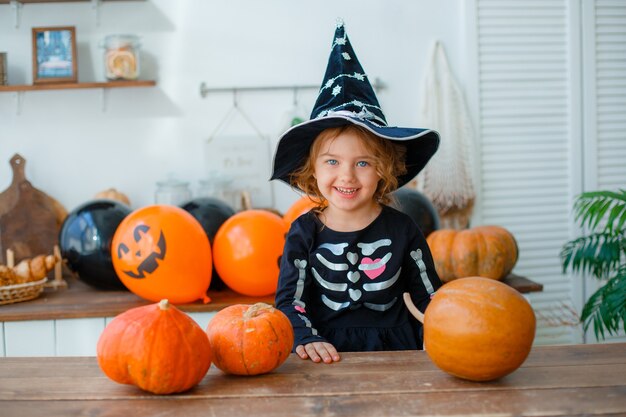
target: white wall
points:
(73, 148)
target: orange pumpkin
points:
(156, 347)
(486, 251)
(250, 340)
(477, 328)
(113, 194)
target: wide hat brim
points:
(294, 145)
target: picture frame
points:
(54, 55)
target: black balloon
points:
(211, 213)
(85, 240)
(419, 208)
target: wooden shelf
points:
(53, 1)
(80, 300)
(16, 5)
(70, 86)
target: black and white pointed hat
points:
(347, 97)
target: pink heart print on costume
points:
(300, 309)
(373, 273)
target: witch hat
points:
(347, 97)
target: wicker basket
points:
(21, 292)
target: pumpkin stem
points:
(246, 202)
(411, 307)
(254, 310)
(164, 304)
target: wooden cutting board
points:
(30, 220)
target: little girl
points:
(347, 263)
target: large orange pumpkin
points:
(477, 328)
(250, 340)
(486, 251)
(156, 347)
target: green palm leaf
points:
(606, 308)
(591, 207)
(597, 254)
(601, 253)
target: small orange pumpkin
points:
(486, 251)
(477, 328)
(250, 340)
(156, 347)
(113, 194)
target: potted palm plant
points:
(601, 252)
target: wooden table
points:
(555, 380)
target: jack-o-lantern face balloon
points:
(163, 252)
(143, 251)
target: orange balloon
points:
(301, 206)
(246, 250)
(162, 252)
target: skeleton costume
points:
(346, 287)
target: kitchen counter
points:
(80, 300)
(69, 321)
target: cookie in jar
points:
(121, 57)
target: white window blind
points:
(610, 89)
(525, 113)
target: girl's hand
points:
(318, 351)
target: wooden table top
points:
(573, 380)
(79, 300)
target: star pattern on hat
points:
(340, 41)
(331, 81)
(364, 112)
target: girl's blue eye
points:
(362, 163)
(332, 162)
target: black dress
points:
(346, 287)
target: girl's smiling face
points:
(346, 174)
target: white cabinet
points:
(77, 337)
(2, 340)
(29, 338)
(61, 337)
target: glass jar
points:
(121, 57)
(218, 186)
(172, 192)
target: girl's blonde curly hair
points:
(388, 159)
